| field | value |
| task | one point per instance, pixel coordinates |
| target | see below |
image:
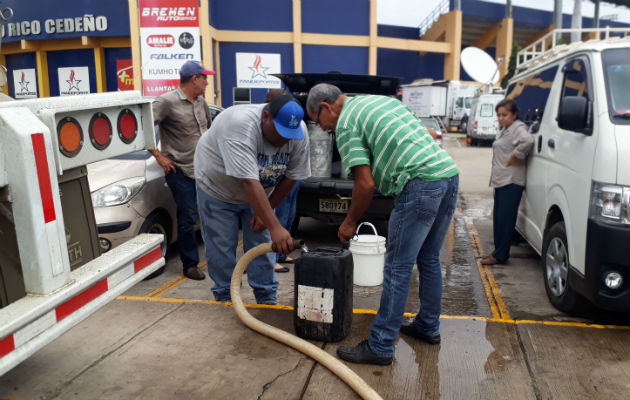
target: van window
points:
(617, 77)
(531, 93)
(575, 79)
(487, 110)
(576, 82)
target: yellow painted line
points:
(476, 245)
(496, 292)
(373, 312)
(178, 280)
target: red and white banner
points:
(169, 36)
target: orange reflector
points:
(127, 126)
(70, 136)
(100, 131)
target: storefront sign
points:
(73, 81)
(169, 36)
(63, 19)
(124, 74)
(253, 70)
(25, 83)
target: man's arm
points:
(281, 191)
(257, 199)
(160, 110)
(361, 199)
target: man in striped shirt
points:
(388, 149)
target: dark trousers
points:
(506, 202)
(184, 191)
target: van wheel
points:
(463, 126)
(555, 260)
(158, 223)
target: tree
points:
(512, 66)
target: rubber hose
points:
(333, 364)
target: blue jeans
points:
(285, 212)
(219, 228)
(506, 201)
(184, 191)
(417, 228)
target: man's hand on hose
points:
(282, 240)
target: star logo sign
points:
(72, 82)
(257, 69)
(24, 84)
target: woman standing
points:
(509, 153)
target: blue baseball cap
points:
(192, 68)
(287, 114)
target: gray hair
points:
(321, 92)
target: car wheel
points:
(555, 260)
(463, 126)
(158, 223)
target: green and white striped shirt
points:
(383, 133)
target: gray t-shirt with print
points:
(234, 148)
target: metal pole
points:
(557, 16)
(596, 16)
(458, 5)
(576, 21)
(508, 9)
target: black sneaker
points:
(410, 330)
(362, 354)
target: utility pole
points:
(576, 21)
(557, 16)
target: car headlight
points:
(117, 193)
(610, 203)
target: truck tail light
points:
(127, 126)
(100, 131)
(70, 136)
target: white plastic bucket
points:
(368, 255)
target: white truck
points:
(52, 275)
(448, 100)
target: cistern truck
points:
(52, 275)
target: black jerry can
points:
(323, 294)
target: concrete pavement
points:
(167, 339)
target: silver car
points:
(436, 125)
(130, 196)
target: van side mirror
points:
(574, 114)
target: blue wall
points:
(111, 55)
(347, 60)
(341, 17)
(20, 61)
(70, 58)
(248, 15)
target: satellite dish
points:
(479, 65)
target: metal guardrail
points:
(426, 23)
(554, 42)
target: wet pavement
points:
(167, 338)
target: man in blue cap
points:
(245, 165)
(182, 116)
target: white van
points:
(482, 121)
(575, 211)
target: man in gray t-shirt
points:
(244, 166)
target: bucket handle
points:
(368, 224)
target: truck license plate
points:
(333, 205)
